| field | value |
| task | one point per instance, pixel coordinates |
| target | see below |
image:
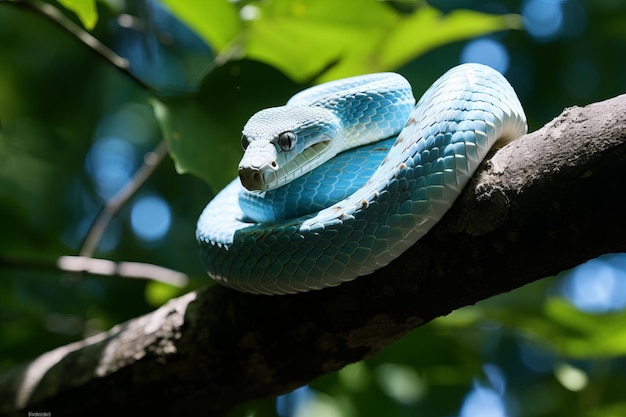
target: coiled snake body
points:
(319, 212)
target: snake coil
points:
(306, 234)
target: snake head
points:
(283, 143)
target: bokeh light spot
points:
(488, 52)
(402, 383)
(543, 19)
(150, 218)
(572, 378)
(495, 377)
(598, 286)
(483, 402)
(110, 162)
(289, 404)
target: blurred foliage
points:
(330, 33)
(85, 11)
(73, 129)
(343, 45)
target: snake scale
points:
(349, 174)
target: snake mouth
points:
(321, 145)
(300, 164)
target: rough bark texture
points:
(549, 201)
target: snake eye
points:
(244, 142)
(287, 141)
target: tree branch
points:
(101, 267)
(548, 202)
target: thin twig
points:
(138, 270)
(92, 43)
(115, 203)
(101, 267)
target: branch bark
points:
(547, 202)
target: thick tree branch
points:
(549, 201)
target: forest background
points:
(74, 129)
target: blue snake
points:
(349, 174)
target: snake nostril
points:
(250, 178)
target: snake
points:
(349, 174)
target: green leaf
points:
(302, 37)
(571, 332)
(193, 136)
(203, 131)
(216, 21)
(85, 10)
(609, 410)
(584, 335)
(428, 28)
(305, 36)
